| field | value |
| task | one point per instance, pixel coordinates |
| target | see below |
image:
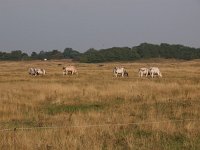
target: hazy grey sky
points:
(34, 25)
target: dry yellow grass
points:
(95, 97)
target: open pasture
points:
(92, 110)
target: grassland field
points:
(159, 107)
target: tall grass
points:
(95, 97)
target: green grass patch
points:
(134, 131)
(14, 123)
(161, 140)
(55, 108)
(170, 108)
(174, 141)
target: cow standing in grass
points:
(119, 71)
(154, 71)
(40, 71)
(32, 71)
(143, 72)
(36, 71)
(70, 70)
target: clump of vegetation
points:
(143, 51)
(55, 108)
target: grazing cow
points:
(36, 71)
(70, 70)
(32, 71)
(143, 71)
(155, 71)
(40, 71)
(119, 71)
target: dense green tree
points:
(54, 54)
(42, 55)
(16, 55)
(111, 54)
(34, 55)
(70, 53)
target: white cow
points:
(143, 71)
(40, 71)
(155, 71)
(70, 69)
(36, 71)
(32, 71)
(119, 71)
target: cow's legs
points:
(152, 75)
(141, 74)
(146, 74)
(122, 74)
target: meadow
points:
(94, 110)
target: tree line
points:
(143, 51)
